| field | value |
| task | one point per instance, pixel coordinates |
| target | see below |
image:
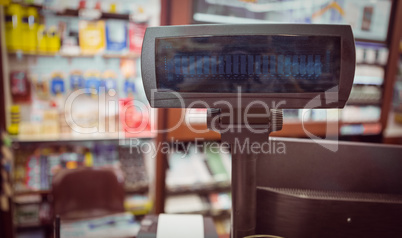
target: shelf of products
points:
(59, 64)
(33, 215)
(91, 52)
(31, 192)
(82, 137)
(93, 14)
(98, 12)
(200, 188)
(21, 54)
(36, 164)
(367, 24)
(50, 33)
(33, 225)
(198, 179)
(198, 166)
(140, 189)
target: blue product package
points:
(116, 36)
(57, 86)
(76, 81)
(129, 87)
(110, 84)
(111, 153)
(92, 83)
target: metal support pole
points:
(244, 163)
(243, 192)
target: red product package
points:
(132, 120)
(20, 87)
(128, 114)
(136, 34)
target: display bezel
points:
(335, 98)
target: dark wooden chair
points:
(86, 193)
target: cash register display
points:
(251, 64)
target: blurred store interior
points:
(80, 140)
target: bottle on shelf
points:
(42, 39)
(53, 40)
(13, 128)
(14, 27)
(30, 29)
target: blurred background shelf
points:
(34, 225)
(216, 214)
(102, 15)
(81, 137)
(290, 129)
(140, 189)
(200, 189)
(65, 55)
(67, 12)
(32, 192)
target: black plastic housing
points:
(335, 98)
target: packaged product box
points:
(91, 36)
(136, 36)
(116, 36)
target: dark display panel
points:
(255, 64)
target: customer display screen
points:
(248, 63)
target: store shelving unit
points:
(215, 214)
(76, 12)
(32, 192)
(23, 59)
(200, 188)
(81, 137)
(22, 54)
(139, 189)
